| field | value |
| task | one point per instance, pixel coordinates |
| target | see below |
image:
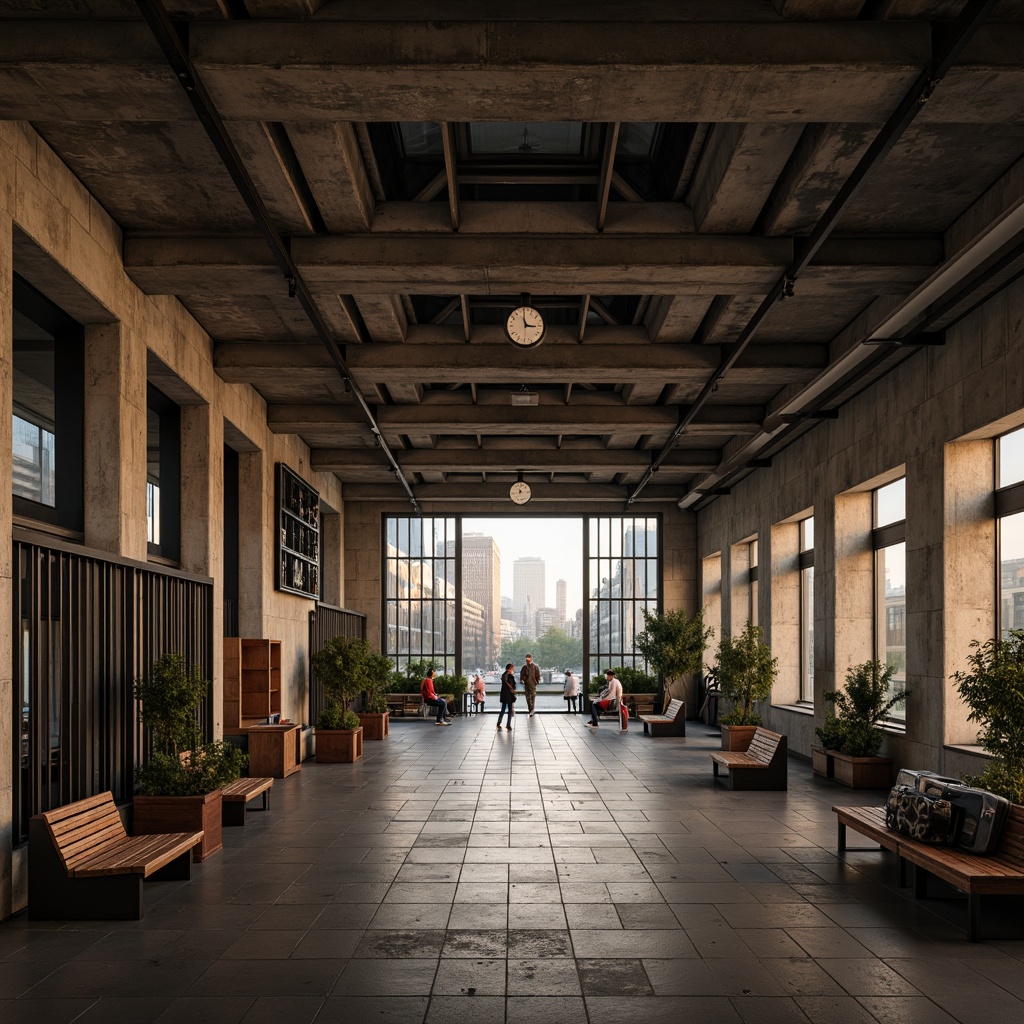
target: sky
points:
(558, 541)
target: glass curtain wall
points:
(1010, 529)
(807, 610)
(622, 582)
(420, 595)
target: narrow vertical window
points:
(806, 559)
(1010, 529)
(752, 588)
(889, 540)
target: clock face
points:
(525, 326)
(520, 492)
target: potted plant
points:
(179, 785)
(374, 717)
(451, 687)
(858, 710)
(993, 689)
(830, 736)
(673, 644)
(746, 673)
(345, 667)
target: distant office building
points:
(528, 589)
(545, 619)
(476, 637)
(509, 629)
(481, 582)
(561, 593)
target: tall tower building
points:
(561, 589)
(528, 589)
(481, 582)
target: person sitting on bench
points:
(609, 699)
(431, 698)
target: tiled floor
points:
(548, 874)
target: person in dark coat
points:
(530, 678)
(508, 694)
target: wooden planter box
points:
(862, 772)
(375, 726)
(339, 746)
(823, 762)
(160, 814)
(737, 737)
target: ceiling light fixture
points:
(523, 397)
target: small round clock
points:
(520, 492)
(525, 327)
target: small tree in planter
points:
(746, 674)
(344, 666)
(993, 688)
(179, 784)
(673, 643)
(858, 710)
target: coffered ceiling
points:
(733, 215)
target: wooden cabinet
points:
(298, 540)
(252, 682)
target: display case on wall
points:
(298, 535)
(252, 682)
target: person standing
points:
(431, 698)
(529, 676)
(609, 700)
(571, 690)
(479, 692)
(507, 695)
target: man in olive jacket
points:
(529, 676)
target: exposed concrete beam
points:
(383, 316)
(600, 419)
(544, 493)
(294, 419)
(737, 169)
(675, 317)
(504, 264)
(52, 69)
(333, 165)
(527, 460)
(496, 362)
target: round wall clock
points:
(520, 492)
(525, 327)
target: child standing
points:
(571, 691)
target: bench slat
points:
(245, 789)
(139, 855)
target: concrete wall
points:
(54, 234)
(932, 417)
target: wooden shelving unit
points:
(298, 535)
(252, 682)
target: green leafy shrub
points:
(180, 763)
(673, 643)
(866, 701)
(455, 685)
(993, 688)
(346, 666)
(746, 674)
(633, 680)
(830, 733)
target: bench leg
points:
(901, 877)
(179, 870)
(714, 768)
(920, 883)
(841, 842)
(232, 812)
(973, 917)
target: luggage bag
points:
(937, 809)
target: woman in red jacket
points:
(431, 698)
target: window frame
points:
(805, 568)
(1008, 500)
(882, 538)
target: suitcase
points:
(623, 716)
(974, 821)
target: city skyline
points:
(558, 541)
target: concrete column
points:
(783, 633)
(363, 565)
(114, 441)
(679, 560)
(844, 585)
(970, 574)
(7, 738)
(332, 558)
(711, 597)
(202, 525)
(255, 568)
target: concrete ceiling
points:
(652, 275)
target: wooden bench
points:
(1001, 874)
(83, 866)
(763, 765)
(404, 703)
(671, 723)
(236, 795)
